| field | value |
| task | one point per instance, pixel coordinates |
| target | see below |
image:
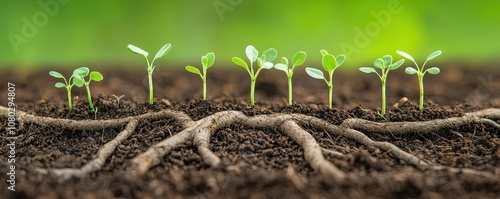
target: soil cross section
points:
(200, 132)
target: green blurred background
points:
(74, 33)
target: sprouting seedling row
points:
(265, 61)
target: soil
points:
(259, 163)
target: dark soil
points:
(260, 163)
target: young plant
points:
(421, 72)
(151, 67)
(206, 61)
(80, 81)
(298, 59)
(330, 63)
(385, 65)
(263, 62)
(68, 84)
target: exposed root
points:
(200, 132)
(97, 163)
(422, 127)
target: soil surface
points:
(259, 163)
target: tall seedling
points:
(263, 62)
(151, 67)
(298, 59)
(421, 72)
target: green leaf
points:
(434, 70)
(270, 54)
(282, 67)
(315, 73)
(396, 65)
(78, 82)
(340, 59)
(410, 71)
(387, 61)
(137, 50)
(329, 62)
(299, 58)
(405, 55)
(56, 74)
(204, 61)
(192, 69)
(367, 70)
(96, 76)
(163, 51)
(379, 63)
(267, 65)
(284, 60)
(211, 59)
(252, 53)
(260, 62)
(433, 55)
(324, 52)
(238, 61)
(60, 85)
(81, 72)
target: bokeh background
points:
(70, 33)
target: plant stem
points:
(330, 91)
(383, 97)
(290, 90)
(91, 105)
(204, 79)
(70, 104)
(421, 86)
(150, 79)
(252, 91)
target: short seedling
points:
(206, 61)
(264, 62)
(79, 81)
(385, 65)
(118, 99)
(330, 63)
(68, 84)
(421, 72)
(151, 67)
(298, 59)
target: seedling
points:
(421, 72)
(151, 67)
(263, 62)
(298, 59)
(118, 99)
(330, 63)
(79, 81)
(206, 61)
(385, 65)
(68, 84)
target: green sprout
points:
(421, 72)
(298, 59)
(264, 62)
(68, 84)
(385, 65)
(151, 67)
(79, 81)
(330, 63)
(206, 61)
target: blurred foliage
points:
(94, 31)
